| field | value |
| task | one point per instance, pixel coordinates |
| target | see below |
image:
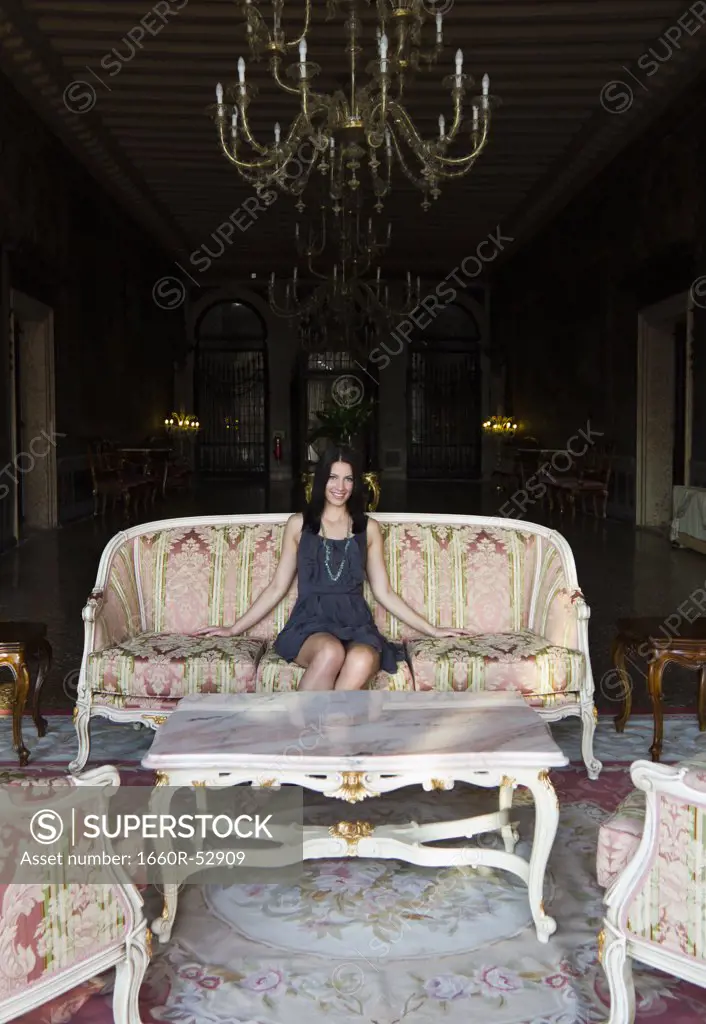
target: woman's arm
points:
(275, 589)
(385, 595)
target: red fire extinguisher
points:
(278, 448)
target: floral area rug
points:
(387, 943)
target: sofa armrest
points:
(656, 898)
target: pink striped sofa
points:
(512, 585)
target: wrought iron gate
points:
(232, 409)
(444, 414)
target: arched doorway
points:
(444, 399)
(231, 390)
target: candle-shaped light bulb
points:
(241, 71)
(278, 132)
(409, 280)
(442, 126)
(335, 271)
(234, 124)
(272, 279)
(459, 66)
(419, 287)
(296, 231)
(294, 275)
(383, 53)
(219, 94)
(475, 119)
(377, 276)
(439, 27)
(388, 142)
(486, 87)
(370, 225)
(302, 58)
(389, 230)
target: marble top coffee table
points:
(354, 746)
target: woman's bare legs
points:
(322, 655)
(361, 664)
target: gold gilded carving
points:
(601, 945)
(352, 832)
(148, 943)
(507, 780)
(438, 784)
(157, 719)
(353, 788)
(268, 782)
(198, 783)
(161, 779)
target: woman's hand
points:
(218, 630)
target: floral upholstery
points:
(274, 673)
(553, 615)
(197, 576)
(669, 907)
(619, 838)
(50, 928)
(463, 576)
(168, 666)
(45, 929)
(519, 661)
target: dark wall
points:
(565, 308)
(72, 247)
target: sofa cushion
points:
(474, 577)
(521, 661)
(274, 673)
(619, 836)
(159, 665)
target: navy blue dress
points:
(338, 608)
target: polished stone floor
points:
(621, 570)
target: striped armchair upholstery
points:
(58, 938)
(652, 857)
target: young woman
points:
(331, 548)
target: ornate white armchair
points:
(55, 938)
(652, 855)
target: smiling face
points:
(340, 484)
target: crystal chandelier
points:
(336, 298)
(370, 124)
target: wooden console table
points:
(371, 481)
(650, 637)
(20, 641)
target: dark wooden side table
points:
(651, 638)
(19, 642)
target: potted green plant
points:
(341, 424)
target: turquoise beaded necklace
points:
(327, 553)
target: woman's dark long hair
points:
(356, 502)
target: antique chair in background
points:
(591, 479)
